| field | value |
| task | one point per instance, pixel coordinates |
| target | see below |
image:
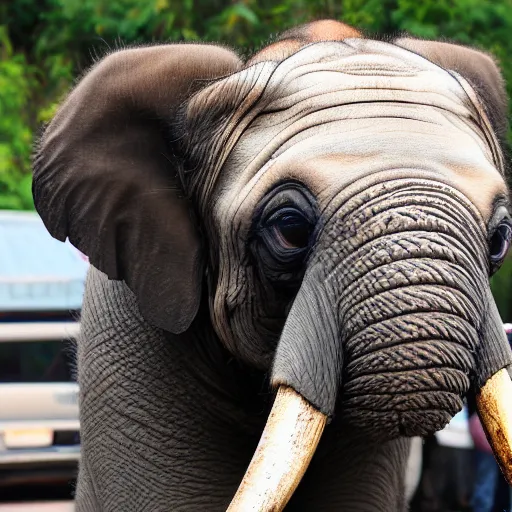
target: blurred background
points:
(45, 45)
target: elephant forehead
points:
(356, 67)
(333, 155)
(361, 109)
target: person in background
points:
(508, 330)
(490, 492)
(487, 471)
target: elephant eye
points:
(500, 244)
(291, 229)
(283, 234)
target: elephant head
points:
(340, 202)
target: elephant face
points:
(343, 199)
(363, 176)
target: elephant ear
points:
(106, 175)
(478, 68)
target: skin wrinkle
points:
(395, 286)
(449, 382)
(368, 386)
(382, 266)
(397, 398)
(404, 355)
(371, 343)
(355, 247)
(400, 316)
(391, 189)
(361, 94)
(428, 203)
(406, 296)
(393, 176)
(374, 351)
(281, 144)
(380, 242)
(356, 324)
(199, 104)
(391, 247)
(483, 123)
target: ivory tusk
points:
(494, 404)
(288, 442)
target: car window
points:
(36, 361)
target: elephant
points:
(289, 266)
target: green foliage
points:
(46, 44)
(16, 81)
(502, 290)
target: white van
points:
(41, 289)
(39, 427)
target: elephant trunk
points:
(397, 314)
(308, 388)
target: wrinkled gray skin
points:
(172, 426)
(385, 323)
